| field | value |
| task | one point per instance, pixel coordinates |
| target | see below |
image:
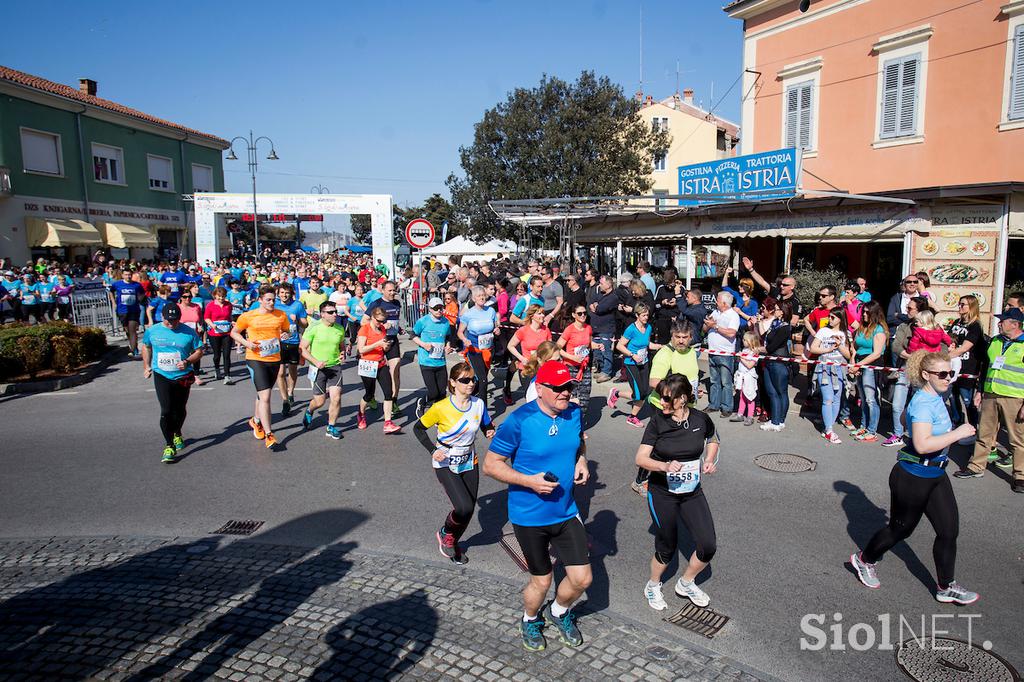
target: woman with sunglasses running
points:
(431, 333)
(575, 344)
(477, 326)
(679, 447)
(918, 480)
(454, 458)
(192, 317)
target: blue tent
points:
(356, 248)
(310, 249)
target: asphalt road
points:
(85, 462)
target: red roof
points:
(41, 84)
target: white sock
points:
(557, 610)
(684, 581)
(651, 584)
(527, 617)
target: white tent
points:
(461, 246)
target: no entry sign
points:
(419, 233)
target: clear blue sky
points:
(364, 97)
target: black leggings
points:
(173, 396)
(436, 381)
(912, 497)
(461, 490)
(511, 372)
(476, 361)
(384, 379)
(668, 510)
(221, 353)
(639, 379)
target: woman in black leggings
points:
(679, 447)
(918, 481)
(454, 458)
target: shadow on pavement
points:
(408, 624)
(94, 619)
(864, 518)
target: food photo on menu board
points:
(958, 263)
(961, 247)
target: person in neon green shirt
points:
(322, 345)
(676, 357)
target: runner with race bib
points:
(218, 329)
(431, 333)
(635, 345)
(372, 344)
(679, 447)
(454, 458)
(477, 327)
(575, 344)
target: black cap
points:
(171, 312)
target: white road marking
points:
(59, 393)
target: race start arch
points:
(378, 206)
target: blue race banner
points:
(768, 175)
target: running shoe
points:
(1005, 462)
(286, 408)
(446, 543)
(848, 423)
(993, 455)
(507, 397)
(179, 443)
(168, 457)
(693, 593)
(956, 594)
(391, 427)
(460, 558)
(865, 571)
(372, 404)
(858, 433)
(420, 404)
(566, 625)
(257, 429)
(361, 420)
(307, 419)
(768, 426)
(639, 488)
(334, 432)
(228, 381)
(633, 421)
(655, 598)
(533, 634)
(736, 418)
(831, 437)
(748, 421)
(270, 441)
(893, 441)
(868, 438)
(613, 397)
(967, 473)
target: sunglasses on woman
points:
(467, 380)
(944, 374)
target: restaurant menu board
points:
(958, 262)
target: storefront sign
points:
(768, 175)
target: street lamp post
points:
(320, 189)
(250, 148)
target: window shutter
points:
(792, 115)
(805, 116)
(890, 98)
(160, 171)
(1017, 77)
(39, 152)
(908, 96)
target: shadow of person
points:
(492, 515)
(601, 536)
(194, 446)
(408, 624)
(864, 518)
(109, 613)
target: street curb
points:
(86, 374)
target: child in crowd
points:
(745, 379)
(928, 335)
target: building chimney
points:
(87, 86)
(688, 96)
(639, 96)
(650, 100)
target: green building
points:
(80, 173)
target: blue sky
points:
(364, 97)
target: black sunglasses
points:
(328, 312)
(944, 374)
(564, 388)
(438, 307)
(580, 312)
(467, 380)
(911, 281)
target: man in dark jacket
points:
(694, 311)
(602, 321)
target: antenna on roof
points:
(677, 78)
(641, 45)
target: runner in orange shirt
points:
(264, 328)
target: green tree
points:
(361, 228)
(557, 139)
(436, 209)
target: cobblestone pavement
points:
(128, 608)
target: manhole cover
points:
(702, 621)
(784, 462)
(239, 528)
(659, 653)
(939, 659)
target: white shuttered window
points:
(40, 152)
(1016, 111)
(900, 78)
(799, 115)
(161, 172)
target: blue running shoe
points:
(334, 432)
(533, 634)
(307, 419)
(566, 625)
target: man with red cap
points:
(539, 451)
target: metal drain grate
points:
(784, 462)
(702, 621)
(239, 528)
(940, 660)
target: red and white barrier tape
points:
(806, 361)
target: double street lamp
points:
(250, 148)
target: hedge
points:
(59, 346)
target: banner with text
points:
(754, 177)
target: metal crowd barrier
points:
(91, 307)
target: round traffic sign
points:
(419, 233)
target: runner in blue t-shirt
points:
(47, 301)
(478, 325)
(175, 280)
(168, 351)
(540, 452)
(127, 297)
(431, 333)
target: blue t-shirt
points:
(128, 296)
(29, 293)
(636, 340)
(525, 438)
(237, 301)
(864, 297)
(174, 280)
(301, 284)
(394, 311)
(295, 311)
(864, 346)
(431, 331)
(45, 290)
(353, 307)
(236, 273)
(748, 308)
(926, 407)
(524, 303)
(157, 304)
(171, 346)
(479, 321)
(371, 296)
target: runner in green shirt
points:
(677, 357)
(322, 345)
